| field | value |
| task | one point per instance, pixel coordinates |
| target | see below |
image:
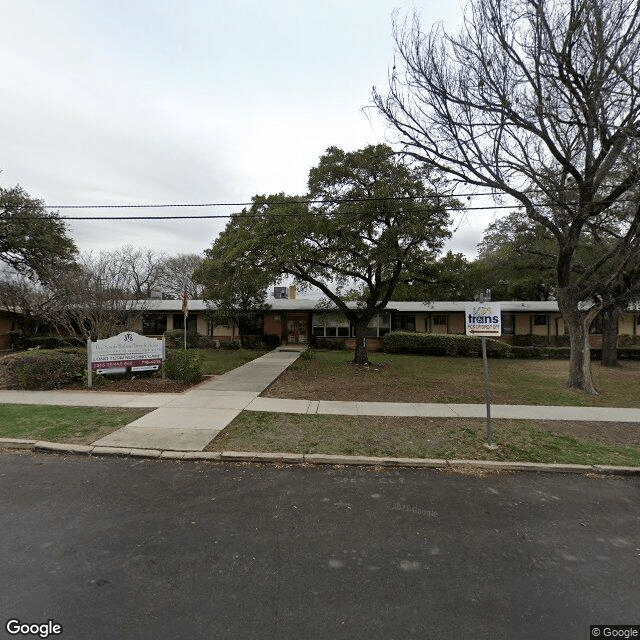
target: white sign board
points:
(483, 319)
(127, 350)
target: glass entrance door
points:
(297, 329)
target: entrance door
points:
(297, 329)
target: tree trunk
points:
(610, 337)
(577, 323)
(360, 329)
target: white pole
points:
(89, 358)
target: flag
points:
(184, 296)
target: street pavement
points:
(115, 548)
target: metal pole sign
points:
(483, 320)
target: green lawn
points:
(79, 425)
(517, 440)
(219, 361)
(411, 378)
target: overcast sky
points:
(154, 101)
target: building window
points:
(332, 325)
(596, 326)
(154, 324)
(192, 322)
(508, 323)
(379, 325)
(440, 320)
(540, 320)
(404, 322)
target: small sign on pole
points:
(484, 320)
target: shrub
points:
(271, 340)
(183, 366)
(433, 344)
(234, 346)
(175, 338)
(43, 369)
(329, 345)
(530, 340)
(20, 340)
(629, 353)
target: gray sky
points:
(151, 101)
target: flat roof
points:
(313, 304)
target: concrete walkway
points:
(189, 421)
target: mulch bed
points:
(137, 385)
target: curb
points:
(313, 458)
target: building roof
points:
(312, 304)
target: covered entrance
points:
(296, 328)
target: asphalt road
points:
(123, 548)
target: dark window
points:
(440, 320)
(540, 320)
(508, 323)
(252, 324)
(596, 326)
(154, 324)
(192, 322)
(404, 322)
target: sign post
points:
(483, 319)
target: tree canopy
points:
(368, 220)
(33, 241)
(234, 291)
(538, 100)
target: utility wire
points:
(431, 196)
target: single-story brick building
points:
(297, 320)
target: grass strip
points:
(449, 438)
(219, 361)
(77, 425)
(330, 375)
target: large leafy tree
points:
(368, 221)
(451, 277)
(235, 291)
(538, 100)
(516, 260)
(33, 241)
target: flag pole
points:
(185, 307)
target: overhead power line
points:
(185, 205)
(281, 214)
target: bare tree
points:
(538, 100)
(139, 270)
(92, 299)
(173, 271)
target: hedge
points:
(442, 345)
(22, 341)
(564, 353)
(43, 369)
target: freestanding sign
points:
(483, 319)
(127, 350)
